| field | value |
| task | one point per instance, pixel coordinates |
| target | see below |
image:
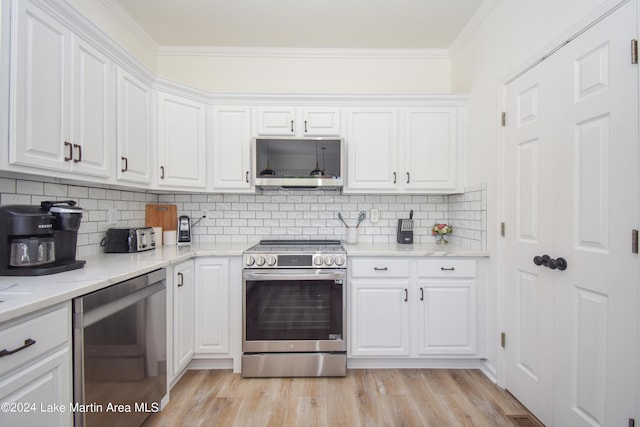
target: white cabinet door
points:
(430, 151)
(183, 314)
(181, 142)
(372, 147)
(40, 95)
(212, 305)
(133, 129)
(379, 318)
(320, 121)
(93, 110)
(276, 121)
(46, 385)
(232, 148)
(447, 317)
(301, 121)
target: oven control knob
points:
(339, 261)
(328, 260)
(260, 260)
(317, 261)
(249, 261)
(271, 260)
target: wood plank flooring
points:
(365, 397)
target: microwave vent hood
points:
(298, 162)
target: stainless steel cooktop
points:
(296, 254)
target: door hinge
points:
(503, 119)
(634, 241)
(503, 340)
(502, 229)
(634, 51)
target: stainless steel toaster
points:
(129, 239)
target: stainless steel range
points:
(294, 309)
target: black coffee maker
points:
(38, 240)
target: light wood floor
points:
(377, 397)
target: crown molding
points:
(483, 11)
(300, 53)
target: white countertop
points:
(22, 295)
(412, 250)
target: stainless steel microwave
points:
(298, 162)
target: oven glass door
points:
(285, 308)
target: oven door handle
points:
(321, 275)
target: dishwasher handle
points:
(102, 312)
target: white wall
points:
(512, 33)
(303, 72)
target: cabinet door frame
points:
(462, 320)
(40, 110)
(212, 306)
(135, 148)
(183, 315)
(391, 292)
(231, 146)
(276, 121)
(384, 176)
(190, 135)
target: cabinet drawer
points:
(379, 267)
(48, 330)
(446, 268)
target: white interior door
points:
(571, 191)
(529, 215)
(597, 208)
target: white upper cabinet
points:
(372, 149)
(181, 142)
(134, 143)
(232, 149)
(291, 121)
(56, 124)
(429, 137)
(412, 150)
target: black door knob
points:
(561, 263)
(552, 264)
(541, 260)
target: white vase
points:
(352, 235)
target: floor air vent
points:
(525, 421)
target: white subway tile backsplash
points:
(272, 214)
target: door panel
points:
(575, 196)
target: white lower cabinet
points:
(410, 307)
(183, 286)
(35, 380)
(212, 303)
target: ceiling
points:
(368, 24)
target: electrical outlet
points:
(112, 216)
(375, 215)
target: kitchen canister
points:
(352, 235)
(157, 235)
(169, 237)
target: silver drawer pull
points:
(447, 269)
(380, 268)
(27, 343)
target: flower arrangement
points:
(440, 230)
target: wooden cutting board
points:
(165, 216)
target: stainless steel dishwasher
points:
(119, 352)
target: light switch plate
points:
(375, 215)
